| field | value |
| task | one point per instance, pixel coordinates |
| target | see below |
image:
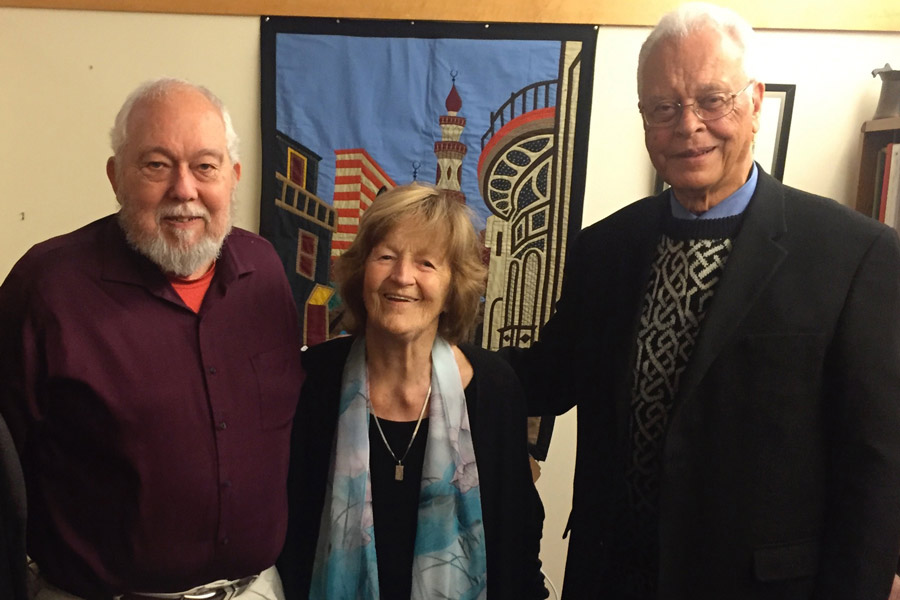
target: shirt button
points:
(226, 484)
(222, 425)
(224, 541)
(212, 370)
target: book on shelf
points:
(891, 186)
(880, 187)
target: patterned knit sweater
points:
(690, 258)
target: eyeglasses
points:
(708, 108)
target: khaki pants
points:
(266, 587)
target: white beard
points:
(179, 257)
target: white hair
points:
(158, 88)
(696, 16)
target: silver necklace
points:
(398, 468)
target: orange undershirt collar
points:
(192, 291)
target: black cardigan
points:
(512, 510)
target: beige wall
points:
(66, 72)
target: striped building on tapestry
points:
(358, 179)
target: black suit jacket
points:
(781, 465)
(12, 519)
(511, 509)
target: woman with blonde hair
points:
(409, 474)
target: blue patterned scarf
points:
(449, 556)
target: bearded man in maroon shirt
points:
(150, 373)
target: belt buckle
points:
(231, 590)
(206, 594)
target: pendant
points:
(398, 473)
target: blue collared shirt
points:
(733, 205)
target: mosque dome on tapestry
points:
(454, 102)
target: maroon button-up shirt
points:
(154, 440)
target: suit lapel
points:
(754, 258)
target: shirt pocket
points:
(279, 376)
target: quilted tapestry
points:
(497, 113)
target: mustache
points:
(182, 211)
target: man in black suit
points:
(733, 347)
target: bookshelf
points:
(876, 134)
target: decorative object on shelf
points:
(889, 101)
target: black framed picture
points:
(770, 146)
